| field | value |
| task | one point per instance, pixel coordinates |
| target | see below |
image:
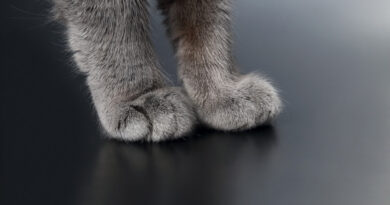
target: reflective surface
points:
(331, 145)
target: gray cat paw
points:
(246, 103)
(156, 116)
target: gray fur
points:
(223, 98)
(111, 46)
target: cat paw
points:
(155, 116)
(246, 103)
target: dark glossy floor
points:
(330, 146)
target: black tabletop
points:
(331, 145)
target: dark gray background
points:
(331, 145)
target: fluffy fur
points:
(112, 47)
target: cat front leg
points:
(224, 98)
(111, 45)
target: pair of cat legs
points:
(111, 45)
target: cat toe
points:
(170, 112)
(252, 102)
(156, 116)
